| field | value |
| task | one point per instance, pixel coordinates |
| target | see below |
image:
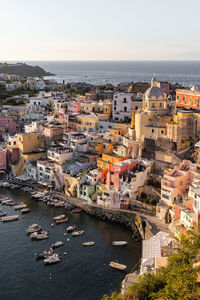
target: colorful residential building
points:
(188, 98)
(175, 184)
(9, 124)
(87, 123)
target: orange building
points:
(188, 99)
(108, 159)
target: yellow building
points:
(30, 142)
(103, 109)
(87, 122)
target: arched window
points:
(153, 105)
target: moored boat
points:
(3, 214)
(39, 235)
(19, 207)
(58, 218)
(10, 218)
(86, 244)
(77, 233)
(119, 243)
(57, 244)
(33, 228)
(52, 259)
(71, 228)
(76, 210)
(62, 220)
(118, 266)
(25, 210)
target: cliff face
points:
(23, 70)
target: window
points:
(165, 196)
(115, 102)
(146, 104)
(125, 108)
(190, 100)
(160, 104)
(184, 99)
(115, 108)
(153, 105)
(136, 108)
(181, 183)
(162, 131)
(124, 100)
(178, 97)
(152, 130)
(196, 101)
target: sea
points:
(186, 73)
(82, 274)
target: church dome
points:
(153, 92)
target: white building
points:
(122, 106)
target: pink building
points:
(9, 125)
(117, 170)
(175, 184)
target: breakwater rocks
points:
(130, 220)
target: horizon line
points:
(106, 60)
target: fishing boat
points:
(71, 228)
(77, 233)
(33, 228)
(10, 218)
(119, 243)
(52, 259)
(3, 214)
(19, 207)
(62, 220)
(118, 266)
(58, 218)
(25, 210)
(10, 203)
(44, 254)
(57, 244)
(76, 210)
(86, 244)
(39, 236)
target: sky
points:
(99, 30)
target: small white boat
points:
(25, 210)
(71, 228)
(19, 207)
(53, 259)
(64, 220)
(33, 228)
(86, 244)
(118, 266)
(57, 244)
(58, 218)
(77, 233)
(119, 243)
(10, 218)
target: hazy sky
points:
(99, 30)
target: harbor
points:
(79, 269)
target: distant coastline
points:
(23, 70)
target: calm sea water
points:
(82, 274)
(101, 72)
